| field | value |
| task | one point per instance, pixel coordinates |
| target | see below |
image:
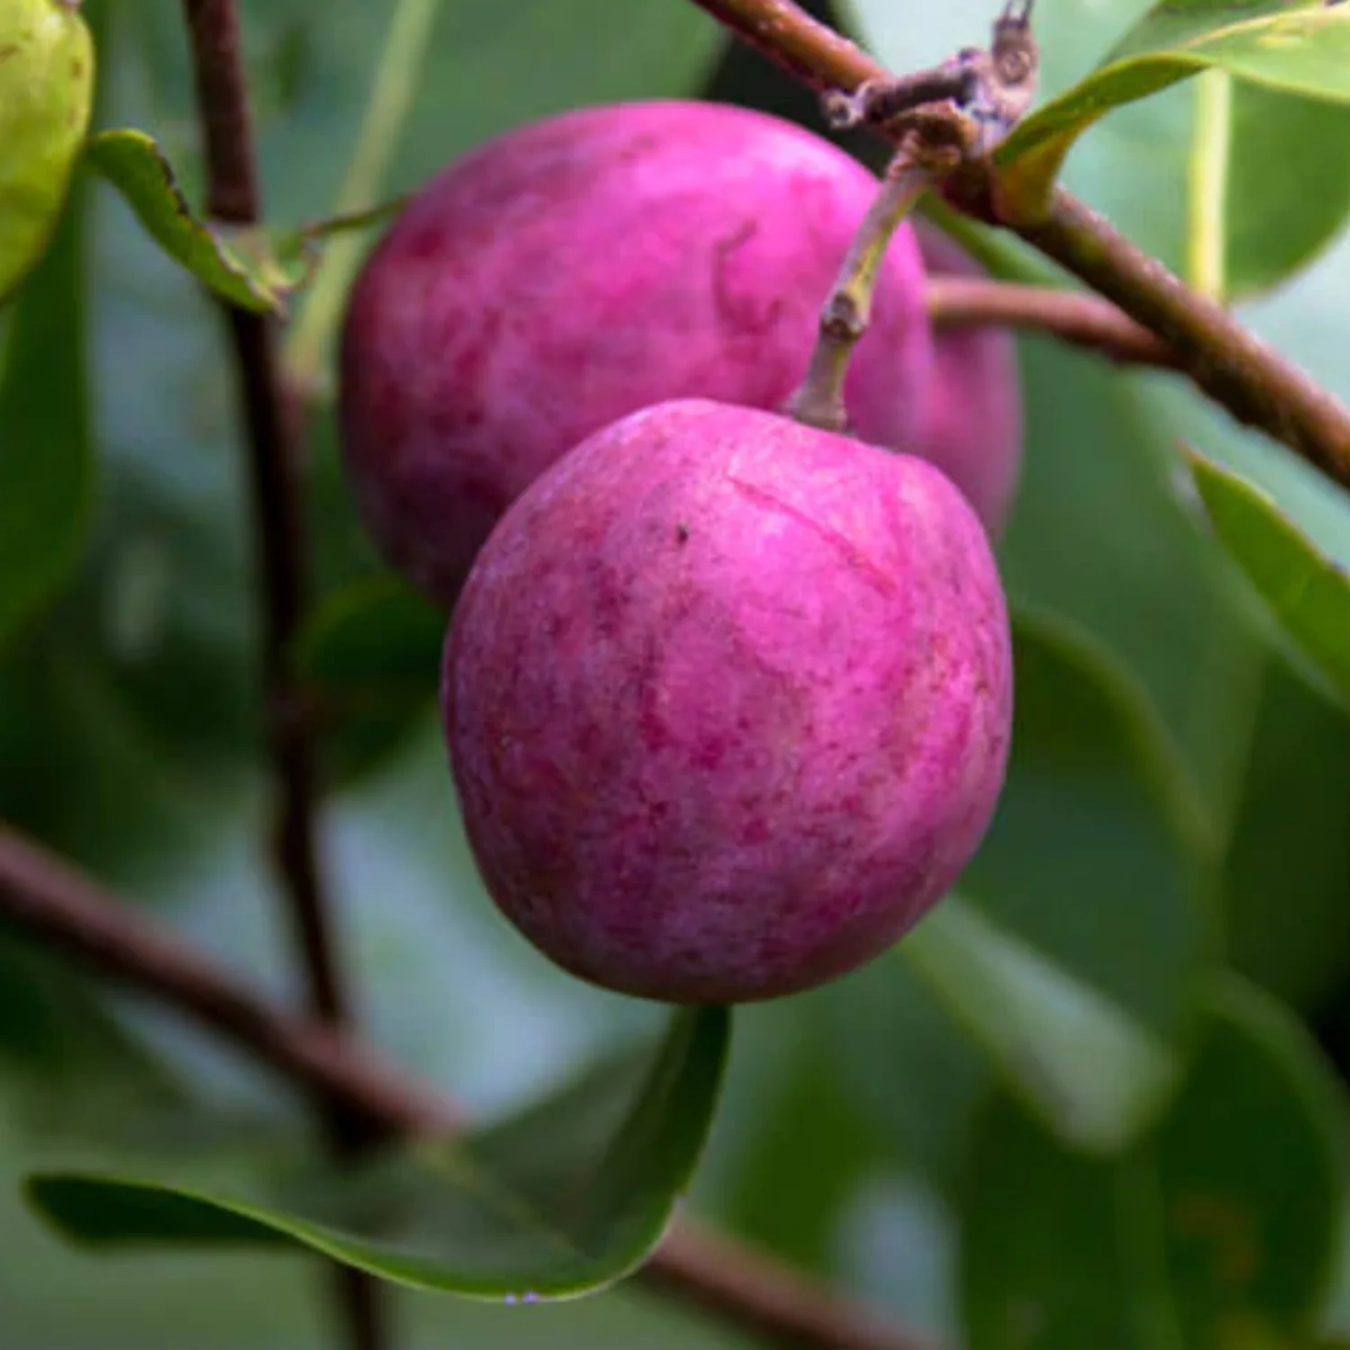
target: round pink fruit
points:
(585, 266)
(974, 422)
(728, 703)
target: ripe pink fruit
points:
(727, 700)
(974, 426)
(583, 267)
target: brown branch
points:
(1076, 317)
(44, 898)
(233, 196)
(1253, 382)
(806, 48)
(1230, 363)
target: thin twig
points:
(1075, 316)
(45, 898)
(233, 196)
(1253, 382)
(806, 48)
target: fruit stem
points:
(819, 401)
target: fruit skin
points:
(46, 96)
(974, 425)
(585, 266)
(727, 701)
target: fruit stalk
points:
(819, 402)
(233, 196)
(46, 899)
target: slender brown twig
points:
(1075, 316)
(233, 197)
(1252, 381)
(44, 898)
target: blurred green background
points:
(1179, 803)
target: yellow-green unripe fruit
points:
(46, 93)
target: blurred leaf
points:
(1309, 593)
(371, 655)
(790, 1149)
(1299, 45)
(314, 72)
(1286, 871)
(69, 1068)
(563, 1200)
(1218, 1229)
(1069, 968)
(1066, 1049)
(377, 638)
(45, 460)
(1277, 144)
(1077, 971)
(915, 1075)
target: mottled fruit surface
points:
(727, 701)
(583, 267)
(974, 426)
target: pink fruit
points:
(974, 426)
(583, 267)
(727, 701)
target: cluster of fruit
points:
(727, 697)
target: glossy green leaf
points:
(55, 1298)
(1217, 1229)
(563, 1200)
(1299, 45)
(46, 467)
(1308, 592)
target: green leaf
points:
(781, 1071)
(1071, 1053)
(207, 1298)
(377, 637)
(1217, 1229)
(1288, 926)
(1308, 592)
(563, 1200)
(1299, 45)
(371, 657)
(1279, 143)
(1088, 887)
(46, 467)
(250, 267)
(229, 262)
